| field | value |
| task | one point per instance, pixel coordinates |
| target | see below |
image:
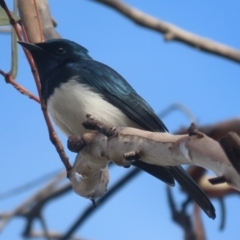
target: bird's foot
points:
(76, 143)
(131, 157)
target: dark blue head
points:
(54, 54)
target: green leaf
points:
(14, 58)
(4, 20)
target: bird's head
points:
(54, 53)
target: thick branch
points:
(218, 130)
(172, 32)
(89, 175)
(124, 145)
(47, 23)
(30, 18)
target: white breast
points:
(70, 103)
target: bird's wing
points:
(117, 91)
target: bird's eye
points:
(60, 51)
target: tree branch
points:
(172, 32)
(218, 130)
(30, 18)
(89, 176)
(199, 228)
(9, 79)
(90, 210)
(46, 20)
(29, 15)
(28, 207)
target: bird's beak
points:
(30, 46)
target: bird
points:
(73, 84)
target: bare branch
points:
(44, 227)
(199, 228)
(34, 34)
(172, 32)
(36, 18)
(123, 145)
(89, 175)
(179, 107)
(218, 130)
(180, 217)
(231, 145)
(90, 210)
(8, 79)
(30, 18)
(47, 22)
(45, 194)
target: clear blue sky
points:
(163, 73)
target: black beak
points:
(30, 46)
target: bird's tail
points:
(194, 191)
(161, 173)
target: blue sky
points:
(163, 74)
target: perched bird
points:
(73, 84)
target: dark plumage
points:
(73, 84)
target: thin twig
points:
(33, 205)
(198, 225)
(218, 130)
(44, 226)
(52, 134)
(8, 78)
(179, 107)
(223, 211)
(38, 20)
(90, 210)
(180, 217)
